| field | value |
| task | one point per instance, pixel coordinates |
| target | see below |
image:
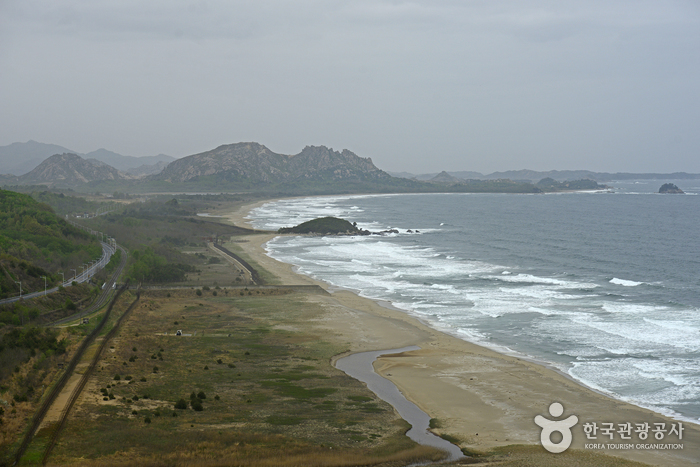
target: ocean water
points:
(603, 286)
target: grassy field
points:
(267, 392)
(234, 247)
(212, 271)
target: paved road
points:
(102, 299)
(107, 252)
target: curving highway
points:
(107, 251)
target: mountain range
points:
(253, 162)
(252, 167)
(533, 176)
(241, 166)
(21, 158)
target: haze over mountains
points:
(256, 163)
(250, 166)
(70, 169)
(534, 176)
(21, 158)
(238, 166)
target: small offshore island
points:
(670, 188)
(332, 226)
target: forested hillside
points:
(34, 242)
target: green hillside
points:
(34, 242)
(322, 225)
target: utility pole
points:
(21, 313)
(44, 285)
(63, 281)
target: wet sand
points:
(482, 397)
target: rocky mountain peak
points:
(69, 168)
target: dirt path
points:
(56, 410)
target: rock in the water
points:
(670, 188)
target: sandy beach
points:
(483, 398)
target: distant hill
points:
(253, 166)
(20, 158)
(462, 174)
(549, 184)
(560, 175)
(124, 163)
(146, 169)
(444, 177)
(69, 170)
(566, 175)
(233, 162)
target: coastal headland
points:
(481, 398)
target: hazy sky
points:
(420, 86)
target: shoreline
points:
(483, 396)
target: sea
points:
(604, 286)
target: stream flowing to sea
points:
(603, 286)
(359, 366)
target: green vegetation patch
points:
(322, 225)
(148, 266)
(290, 390)
(272, 383)
(35, 243)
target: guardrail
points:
(108, 249)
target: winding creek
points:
(360, 366)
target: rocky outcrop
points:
(67, 169)
(671, 189)
(253, 162)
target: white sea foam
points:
(633, 308)
(634, 335)
(624, 282)
(624, 346)
(528, 278)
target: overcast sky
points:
(420, 86)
